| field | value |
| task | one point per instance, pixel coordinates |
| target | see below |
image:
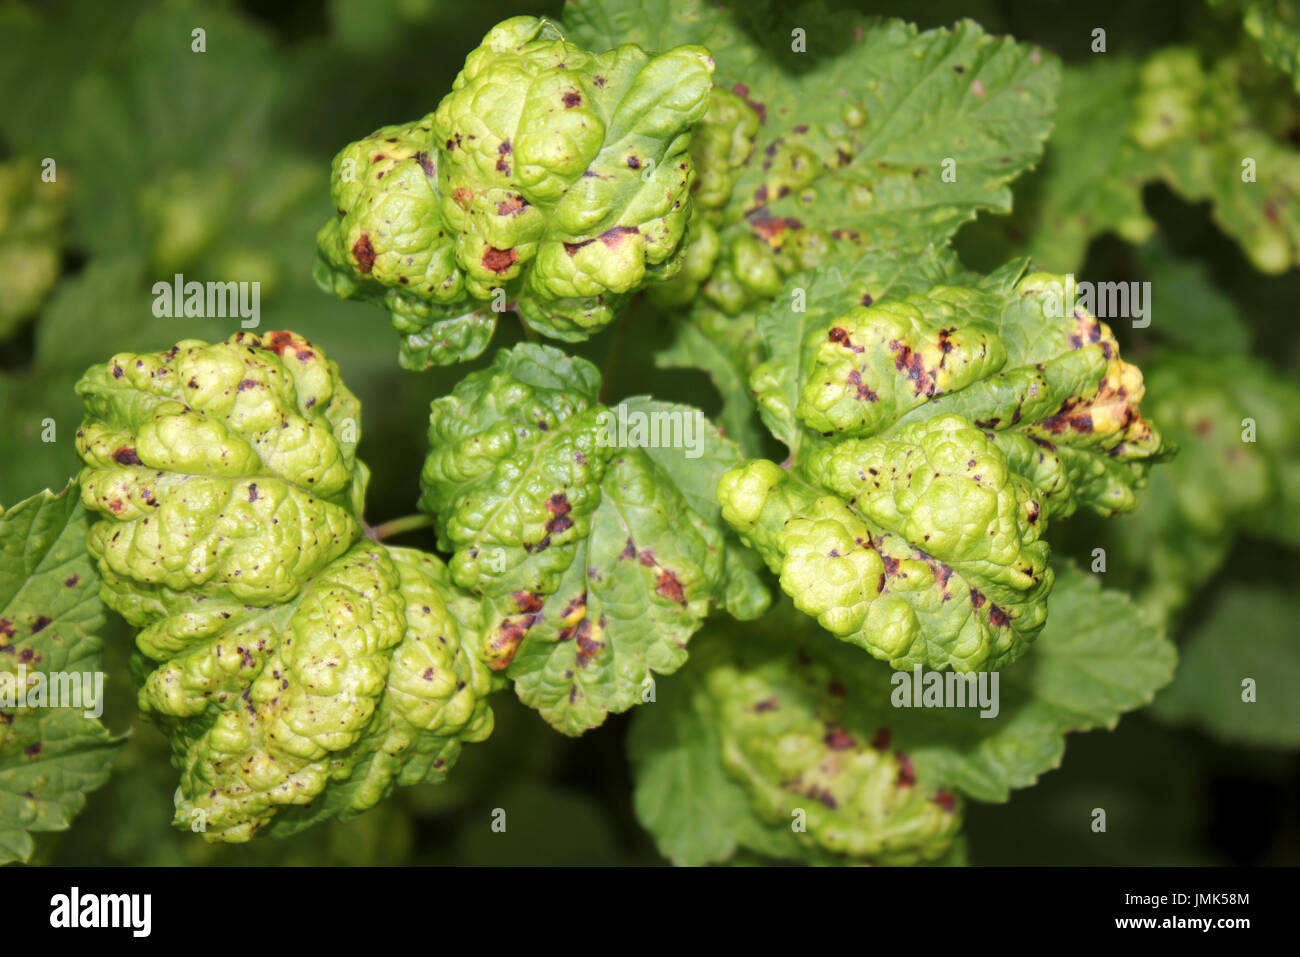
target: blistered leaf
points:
(590, 533)
(300, 672)
(551, 179)
(879, 137)
(932, 436)
(768, 722)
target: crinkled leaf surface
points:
(1097, 659)
(596, 549)
(50, 758)
(300, 671)
(551, 177)
(856, 137)
(932, 436)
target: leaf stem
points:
(398, 526)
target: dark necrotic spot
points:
(364, 253)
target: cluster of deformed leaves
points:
(596, 551)
(780, 742)
(878, 137)
(932, 436)
(300, 670)
(550, 179)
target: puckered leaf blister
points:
(296, 666)
(596, 555)
(932, 436)
(550, 178)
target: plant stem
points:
(610, 366)
(397, 526)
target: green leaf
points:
(1248, 634)
(879, 137)
(1098, 658)
(1275, 26)
(1090, 181)
(50, 758)
(932, 437)
(1209, 132)
(591, 533)
(810, 302)
(725, 347)
(1191, 311)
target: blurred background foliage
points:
(216, 165)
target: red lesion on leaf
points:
(588, 647)
(742, 91)
(838, 739)
(881, 740)
(426, 164)
(977, 599)
(364, 253)
(32, 750)
(503, 150)
(840, 336)
(945, 800)
(670, 586)
(611, 237)
(629, 551)
(862, 391)
(116, 506)
(499, 260)
(770, 228)
(559, 507)
(281, 342)
(1069, 417)
(769, 704)
(910, 363)
(463, 196)
(512, 205)
(501, 650)
(906, 773)
(571, 99)
(998, 617)
(71, 581)
(125, 455)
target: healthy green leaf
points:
(51, 758)
(1275, 26)
(1090, 181)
